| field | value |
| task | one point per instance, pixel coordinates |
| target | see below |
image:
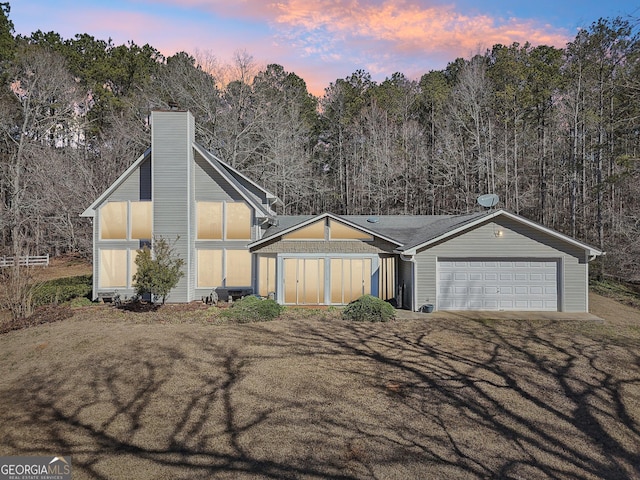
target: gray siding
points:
(517, 241)
(210, 186)
(171, 153)
(127, 190)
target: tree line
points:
(553, 131)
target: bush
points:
(158, 271)
(369, 309)
(253, 309)
(62, 290)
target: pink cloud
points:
(320, 40)
(411, 26)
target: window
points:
(267, 272)
(238, 221)
(235, 216)
(304, 281)
(387, 278)
(213, 263)
(209, 220)
(350, 279)
(114, 218)
(209, 268)
(113, 268)
(340, 231)
(315, 231)
(141, 219)
(113, 221)
(238, 263)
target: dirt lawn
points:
(152, 396)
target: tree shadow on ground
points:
(311, 399)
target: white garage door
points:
(497, 284)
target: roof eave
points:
(259, 209)
(317, 218)
(412, 250)
(91, 210)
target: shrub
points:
(158, 271)
(253, 309)
(369, 309)
(62, 290)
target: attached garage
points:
(499, 261)
(497, 284)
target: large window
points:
(304, 281)
(267, 275)
(126, 220)
(238, 263)
(336, 231)
(218, 268)
(315, 231)
(238, 221)
(350, 279)
(218, 221)
(113, 221)
(209, 220)
(209, 268)
(340, 231)
(113, 268)
(141, 220)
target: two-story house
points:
(228, 232)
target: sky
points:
(323, 40)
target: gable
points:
(131, 185)
(503, 237)
(530, 229)
(326, 227)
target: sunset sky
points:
(323, 40)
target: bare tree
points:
(44, 103)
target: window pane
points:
(290, 280)
(267, 267)
(238, 266)
(209, 268)
(238, 221)
(340, 231)
(366, 276)
(209, 220)
(387, 277)
(141, 215)
(313, 281)
(113, 221)
(315, 231)
(336, 280)
(113, 268)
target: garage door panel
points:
(500, 284)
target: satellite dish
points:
(373, 219)
(488, 200)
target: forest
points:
(555, 132)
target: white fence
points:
(27, 261)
